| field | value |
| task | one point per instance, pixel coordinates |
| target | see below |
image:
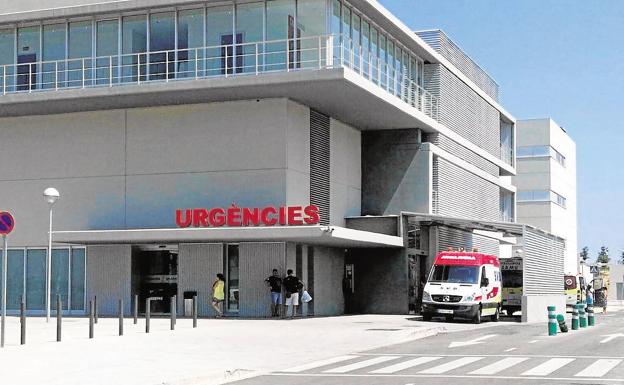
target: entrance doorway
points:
(155, 275)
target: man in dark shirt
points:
(292, 285)
(275, 283)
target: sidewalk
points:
(218, 351)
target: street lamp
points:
(51, 195)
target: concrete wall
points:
(257, 261)
(396, 173)
(534, 308)
(198, 265)
(328, 273)
(381, 282)
(109, 273)
(345, 172)
(133, 168)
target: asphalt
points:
(521, 353)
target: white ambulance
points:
(463, 285)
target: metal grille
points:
(543, 263)
(448, 49)
(455, 238)
(319, 164)
(460, 193)
(446, 298)
(464, 153)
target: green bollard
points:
(562, 324)
(582, 318)
(591, 320)
(575, 318)
(552, 321)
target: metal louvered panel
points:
(460, 193)
(455, 238)
(198, 265)
(257, 261)
(109, 276)
(319, 164)
(464, 153)
(462, 110)
(440, 42)
(543, 263)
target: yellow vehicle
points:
(574, 286)
(512, 274)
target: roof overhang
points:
(332, 236)
(508, 229)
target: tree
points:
(603, 255)
(585, 253)
(622, 258)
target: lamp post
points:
(51, 195)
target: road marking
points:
(361, 364)
(451, 365)
(598, 368)
(510, 349)
(548, 367)
(318, 364)
(405, 365)
(476, 341)
(503, 364)
(542, 380)
(487, 355)
(534, 341)
(611, 337)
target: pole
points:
(194, 311)
(59, 317)
(121, 317)
(136, 308)
(49, 269)
(552, 321)
(172, 311)
(91, 323)
(147, 315)
(4, 287)
(22, 321)
(95, 309)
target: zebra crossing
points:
(509, 366)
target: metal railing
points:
(507, 154)
(309, 53)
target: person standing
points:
(605, 296)
(292, 285)
(275, 283)
(218, 294)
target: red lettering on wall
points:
(188, 217)
(251, 216)
(294, 216)
(268, 216)
(199, 217)
(217, 217)
(312, 213)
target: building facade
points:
(546, 183)
(194, 138)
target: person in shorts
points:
(292, 285)
(218, 294)
(275, 283)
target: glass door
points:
(232, 279)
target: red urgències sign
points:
(235, 216)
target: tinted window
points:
(454, 274)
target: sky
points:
(562, 59)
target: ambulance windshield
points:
(454, 274)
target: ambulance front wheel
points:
(477, 317)
(426, 317)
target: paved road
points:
(524, 354)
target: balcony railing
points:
(310, 53)
(507, 154)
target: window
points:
(454, 274)
(190, 35)
(559, 157)
(533, 151)
(249, 29)
(355, 37)
(53, 72)
(162, 46)
(311, 23)
(80, 47)
(346, 35)
(335, 28)
(219, 27)
(134, 46)
(560, 200)
(374, 54)
(7, 57)
(35, 279)
(541, 196)
(77, 283)
(233, 293)
(28, 53)
(383, 67)
(106, 50)
(366, 49)
(280, 16)
(60, 277)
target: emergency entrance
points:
(155, 276)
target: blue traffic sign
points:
(7, 223)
